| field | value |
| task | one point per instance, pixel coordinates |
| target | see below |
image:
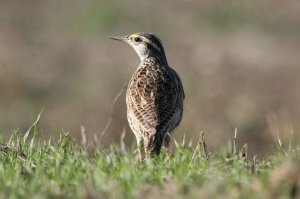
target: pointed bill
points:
(119, 38)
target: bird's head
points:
(145, 44)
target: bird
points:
(154, 95)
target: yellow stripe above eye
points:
(133, 37)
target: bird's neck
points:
(154, 60)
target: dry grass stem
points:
(112, 108)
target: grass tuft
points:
(34, 168)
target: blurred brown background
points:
(239, 62)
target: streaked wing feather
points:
(154, 96)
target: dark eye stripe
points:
(156, 40)
(149, 42)
(153, 38)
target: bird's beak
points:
(120, 38)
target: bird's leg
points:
(158, 142)
(148, 146)
(167, 139)
(153, 145)
(140, 146)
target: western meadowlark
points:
(154, 96)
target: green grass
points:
(35, 168)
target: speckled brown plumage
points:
(154, 97)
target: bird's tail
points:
(153, 145)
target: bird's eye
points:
(137, 39)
